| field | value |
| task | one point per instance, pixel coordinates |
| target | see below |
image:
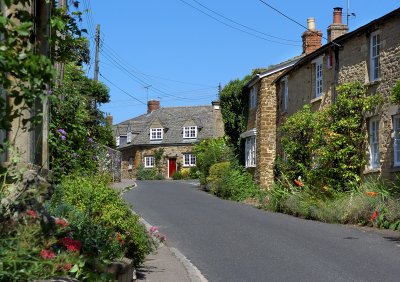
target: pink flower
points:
(153, 229)
(32, 213)
(163, 238)
(47, 254)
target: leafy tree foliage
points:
(235, 109)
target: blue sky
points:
(172, 52)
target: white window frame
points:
(374, 143)
(190, 132)
(253, 97)
(148, 161)
(117, 141)
(156, 133)
(285, 89)
(250, 151)
(396, 140)
(375, 44)
(319, 79)
(189, 160)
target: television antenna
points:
(348, 14)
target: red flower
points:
(61, 222)
(374, 215)
(71, 244)
(31, 213)
(119, 239)
(47, 254)
(298, 183)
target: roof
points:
(338, 42)
(273, 69)
(172, 120)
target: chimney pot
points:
(311, 24)
(337, 15)
(152, 105)
(312, 39)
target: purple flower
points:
(49, 92)
(63, 137)
(62, 132)
(90, 139)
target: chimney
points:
(312, 39)
(152, 105)
(109, 120)
(337, 28)
(216, 105)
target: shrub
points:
(209, 152)
(231, 182)
(92, 196)
(177, 175)
(194, 173)
(146, 173)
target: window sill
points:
(316, 99)
(251, 166)
(374, 82)
(372, 170)
(188, 166)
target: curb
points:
(193, 272)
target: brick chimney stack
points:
(152, 105)
(337, 28)
(312, 39)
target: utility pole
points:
(96, 60)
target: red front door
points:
(171, 167)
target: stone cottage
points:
(174, 129)
(264, 103)
(370, 55)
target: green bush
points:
(146, 173)
(209, 152)
(177, 175)
(231, 182)
(93, 196)
(194, 173)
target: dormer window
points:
(190, 132)
(156, 133)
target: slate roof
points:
(172, 119)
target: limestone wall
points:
(138, 153)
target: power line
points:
(106, 46)
(138, 79)
(242, 25)
(236, 28)
(127, 93)
(296, 22)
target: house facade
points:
(370, 55)
(32, 141)
(260, 134)
(174, 130)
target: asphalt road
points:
(230, 241)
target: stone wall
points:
(265, 122)
(354, 66)
(138, 153)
